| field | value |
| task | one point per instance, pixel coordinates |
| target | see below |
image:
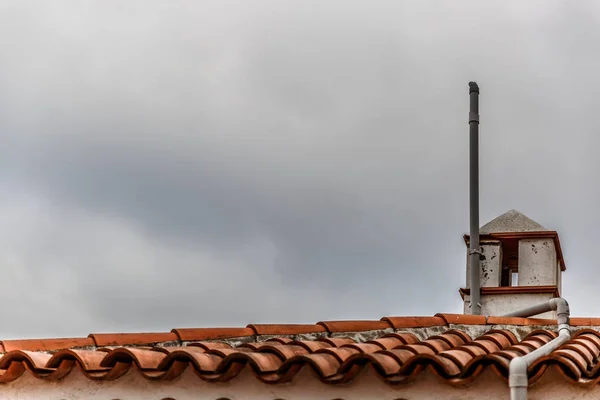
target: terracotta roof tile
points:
(540, 321)
(312, 346)
(286, 329)
(506, 320)
(521, 321)
(120, 339)
(585, 321)
(414, 322)
(189, 334)
(463, 319)
(45, 344)
(354, 326)
(452, 354)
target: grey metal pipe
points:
(531, 311)
(517, 370)
(474, 250)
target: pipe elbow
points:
(517, 376)
(562, 310)
(559, 304)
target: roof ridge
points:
(257, 332)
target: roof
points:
(511, 221)
(455, 347)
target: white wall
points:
(490, 267)
(537, 262)
(501, 304)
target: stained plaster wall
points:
(537, 262)
(502, 304)
(490, 267)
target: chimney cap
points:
(511, 221)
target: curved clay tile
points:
(462, 337)
(63, 369)
(45, 344)
(284, 351)
(325, 365)
(201, 361)
(365, 348)
(419, 348)
(387, 343)
(503, 338)
(196, 334)
(401, 355)
(113, 373)
(486, 344)
(286, 329)
(354, 326)
(143, 359)
(88, 360)
(463, 319)
(459, 357)
(260, 362)
(280, 340)
(34, 360)
(442, 366)
(414, 322)
(312, 345)
(206, 346)
(336, 342)
(437, 344)
(129, 339)
(340, 353)
(14, 371)
(404, 337)
(383, 364)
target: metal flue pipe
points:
(474, 249)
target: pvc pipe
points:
(517, 375)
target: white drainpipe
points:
(517, 375)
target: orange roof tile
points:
(354, 326)
(464, 319)
(413, 322)
(44, 344)
(397, 347)
(287, 329)
(120, 339)
(188, 334)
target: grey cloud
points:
(307, 160)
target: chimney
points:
(521, 266)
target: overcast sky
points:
(208, 163)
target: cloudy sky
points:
(209, 163)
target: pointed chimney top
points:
(511, 221)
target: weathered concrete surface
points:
(559, 273)
(537, 262)
(501, 304)
(511, 221)
(491, 267)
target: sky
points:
(219, 163)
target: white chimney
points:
(522, 266)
